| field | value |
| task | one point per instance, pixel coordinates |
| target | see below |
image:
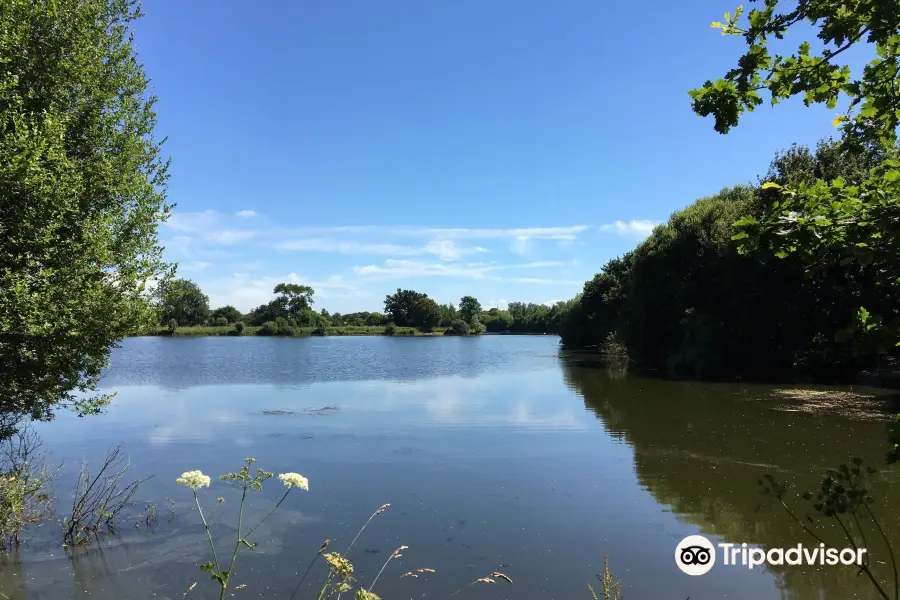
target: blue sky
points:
(504, 149)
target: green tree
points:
(230, 313)
(376, 318)
(426, 314)
(469, 309)
(400, 306)
(297, 298)
(825, 222)
(183, 301)
(448, 315)
(496, 320)
(82, 190)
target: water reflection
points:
(494, 454)
(701, 448)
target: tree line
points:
(799, 272)
(181, 303)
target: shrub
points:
(459, 327)
(268, 328)
(221, 321)
(390, 329)
(321, 329)
(238, 328)
(173, 325)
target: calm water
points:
(494, 452)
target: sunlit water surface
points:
(495, 453)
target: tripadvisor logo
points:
(696, 555)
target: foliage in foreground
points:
(827, 223)
(340, 578)
(82, 191)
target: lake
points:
(495, 453)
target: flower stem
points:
(237, 543)
(246, 535)
(208, 534)
(302, 579)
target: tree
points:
(822, 222)
(469, 309)
(448, 315)
(375, 318)
(496, 320)
(183, 301)
(426, 314)
(400, 306)
(230, 313)
(82, 190)
(297, 298)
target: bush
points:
(238, 328)
(459, 327)
(277, 327)
(390, 329)
(173, 325)
(321, 329)
(221, 321)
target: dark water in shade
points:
(494, 452)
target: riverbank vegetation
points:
(182, 309)
(798, 272)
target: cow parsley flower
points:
(292, 480)
(193, 479)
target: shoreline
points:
(348, 330)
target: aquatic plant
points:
(98, 499)
(25, 483)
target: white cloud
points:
(402, 269)
(567, 232)
(245, 213)
(245, 293)
(330, 245)
(447, 250)
(208, 226)
(520, 245)
(444, 249)
(639, 228)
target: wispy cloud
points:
(403, 269)
(245, 292)
(245, 213)
(443, 249)
(638, 228)
(210, 227)
(455, 233)
(331, 245)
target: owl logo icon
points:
(695, 555)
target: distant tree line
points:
(181, 303)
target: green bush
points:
(238, 328)
(321, 329)
(277, 327)
(390, 329)
(459, 327)
(220, 321)
(173, 325)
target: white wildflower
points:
(193, 479)
(292, 480)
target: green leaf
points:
(770, 185)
